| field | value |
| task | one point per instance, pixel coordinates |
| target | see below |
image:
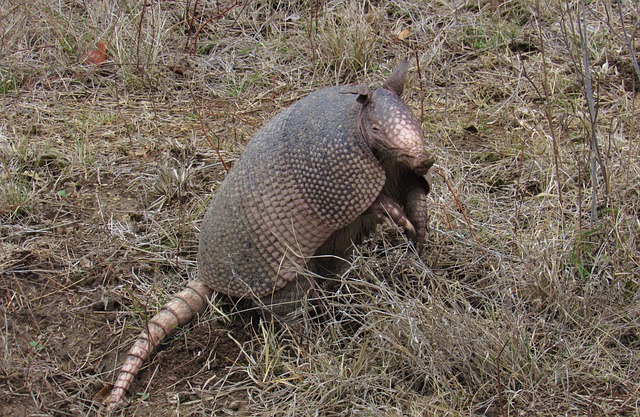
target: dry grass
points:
(526, 300)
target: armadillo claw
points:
(408, 227)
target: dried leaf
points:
(97, 56)
(104, 392)
(404, 34)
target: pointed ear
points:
(361, 90)
(395, 82)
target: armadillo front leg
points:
(415, 204)
(385, 208)
(176, 312)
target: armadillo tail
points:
(178, 311)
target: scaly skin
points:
(314, 181)
(178, 311)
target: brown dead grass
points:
(524, 302)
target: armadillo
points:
(311, 183)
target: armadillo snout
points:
(421, 167)
(416, 156)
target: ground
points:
(120, 120)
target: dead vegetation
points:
(526, 300)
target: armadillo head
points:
(391, 128)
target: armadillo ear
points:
(361, 90)
(395, 82)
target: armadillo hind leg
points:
(176, 312)
(285, 304)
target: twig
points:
(139, 36)
(549, 115)
(627, 42)
(215, 146)
(499, 382)
(625, 39)
(415, 52)
(460, 207)
(189, 19)
(206, 22)
(595, 156)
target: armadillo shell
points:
(306, 174)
